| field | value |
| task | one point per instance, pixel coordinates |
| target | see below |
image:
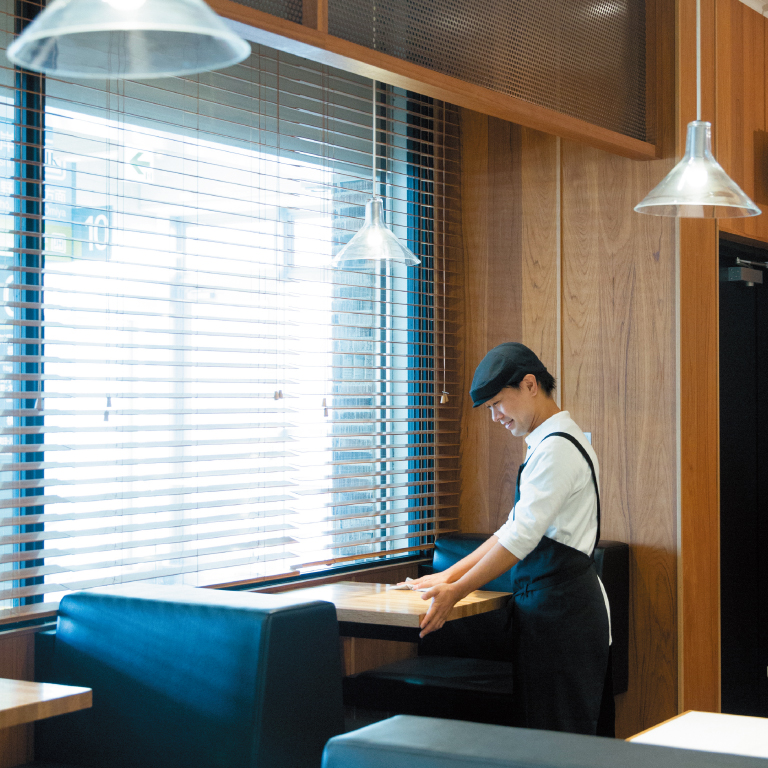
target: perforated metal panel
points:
(285, 9)
(584, 58)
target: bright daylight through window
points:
(192, 394)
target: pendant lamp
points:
(698, 187)
(134, 39)
(374, 241)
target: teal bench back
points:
(195, 678)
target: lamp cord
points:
(373, 160)
(698, 60)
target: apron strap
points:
(584, 453)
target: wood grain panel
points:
(504, 292)
(17, 663)
(661, 40)
(24, 701)
(540, 202)
(740, 128)
(492, 246)
(619, 383)
(381, 605)
(618, 350)
(314, 14)
(698, 587)
(361, 654)
(301, 40)
(475, 204)
(700, 465)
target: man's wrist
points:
(459, 589)
(451, 575)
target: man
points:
(559, 632)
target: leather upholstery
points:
(452, 547)
(438, 686)
(194, 678)
(420, 742)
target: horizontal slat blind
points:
(191, 393)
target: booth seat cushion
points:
(464, 689)
(194, 678)
(419, 742)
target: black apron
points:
(558, 632)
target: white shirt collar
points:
(545, 428)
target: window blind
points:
(191, 393)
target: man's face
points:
(514, 408)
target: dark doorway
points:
(744, 484)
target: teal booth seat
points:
(423, 742)
(193, 678)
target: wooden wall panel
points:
(618, 354)
(700, 467)
(492, 238)
(699, 577)
(473, 500)
(540, 190)
(619, 383)
(504, 292)
(314, 14)
(598, 304)
(16, 663)
(740, 126)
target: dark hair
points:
(545, 380)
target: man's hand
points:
(494, 561)
(444, 597)
(431, 580)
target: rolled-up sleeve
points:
(547, 481)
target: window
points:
(193, 395)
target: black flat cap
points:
(506, 364)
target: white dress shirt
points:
(557, 496)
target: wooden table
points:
(710, 732)
(379, 625)
(24, 702)
(379, 606)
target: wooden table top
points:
(365, 603)
(710, 732)
(25, 702)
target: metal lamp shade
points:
(136, 39)
(697, 187)
(374, 241)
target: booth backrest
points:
(612, 563)
(422, 742)
(194, 678)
